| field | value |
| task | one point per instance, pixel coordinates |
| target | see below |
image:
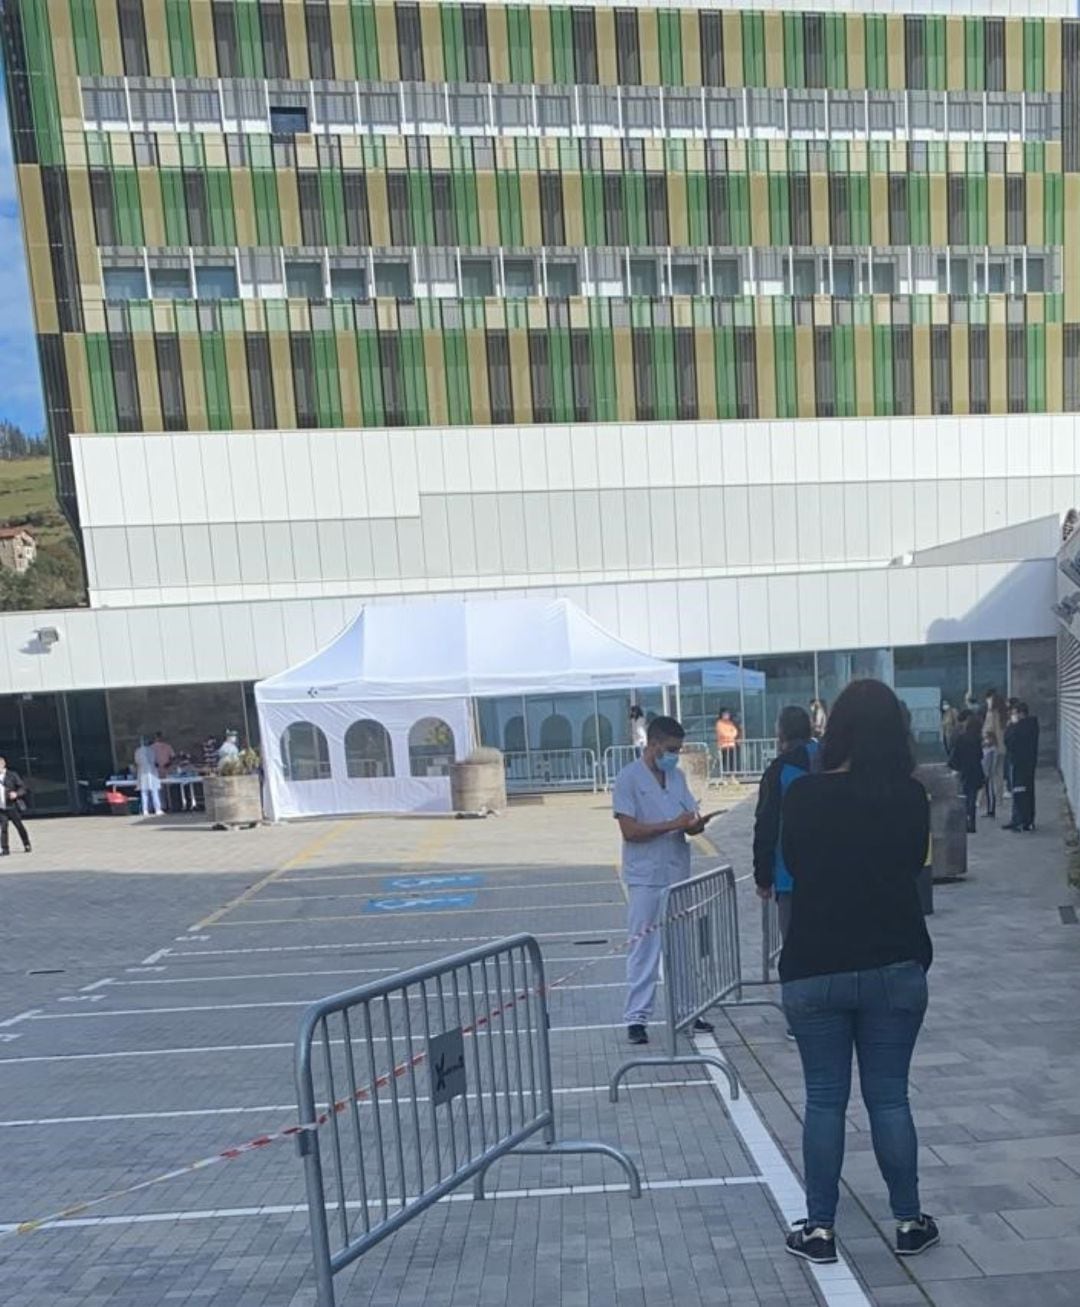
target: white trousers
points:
(150, 792)
(646, 908)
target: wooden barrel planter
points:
(479, 783)
(233, 801)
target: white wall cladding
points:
(204, 518)
(155, 645)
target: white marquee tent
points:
(337, 729)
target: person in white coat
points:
(656, 812)
(146, 773)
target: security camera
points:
(47, 636)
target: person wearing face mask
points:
(656, 812)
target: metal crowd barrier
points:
(551, 769)
(702, 967)
(771, 941)
(746, 761)
(421, 1082)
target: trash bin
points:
(119, 805)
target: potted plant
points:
(234, 794)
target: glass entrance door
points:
(31, 739)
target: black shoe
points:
(637, 1034)
(1011, 825)
(703, 1027)
(812, 1243)
(914, 1237)
(1030, 826)
(27, 849)
(4, 853)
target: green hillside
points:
(28, 498)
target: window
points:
(288, 120)
(682, 110)
(348, 283)
(1015, 209)
(393, 279)
(469, 108)
(711, 31)
(562, 279)
(583, 28)
(410, 42)
(997, 276)
(644, 375)
(245, 102)
(397, 196)
(643, 277)
(1036, 274)
(686, 398)
(260, 381)
(554, 108)
(1003, 115)
(198, 210)
(474, 27)
(357, 224)
(766, 109)
(380, 107)
(656, 208)
(965, 113)
(513, 107)
(152, 104)
(305, 755)
(368, 751)
(519, 278)
(124, 283)
(839, 209)
(216, 281)
(393, 388)
(224, 19)
(799, 208)
(197, 103)
(641, 109)
(551, 209)
(685, 277)
(170, 382)
(320, 40)
(847, 113)
(824, 374)
(898, 210)
(335, 105)
(979, 369)
(600, 107)
(129, 15)
(170, 283)
(940, 370)
(957, 205)
(628, 47)
(104, 201)
(431, 748)
(540, 377)
(843, 273)
(806, 112)
(727, 279)
(303, 372)
(1071, 336)
(915, 52)
(886, 112)
(994, 43)
(477, 278)
(1016, 368)
(884, 275)
(1042, 117)
(500, 389)
(104, 104)
(746, 403)
(903, 371)
(275, 46)
(723, 112)
(312, 231)
(814, 48)
(804, 277)
(304, 280)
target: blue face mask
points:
(667, 761)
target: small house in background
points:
(18, 548)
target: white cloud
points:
(20, 376)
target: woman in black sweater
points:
(965, 758)
(855, 958)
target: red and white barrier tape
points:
(361, 1095)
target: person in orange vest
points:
(727, 737)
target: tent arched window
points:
(597, 734)
(514, 735)
(368, 752)
(304, 753)
(556, 732)
(431, 747)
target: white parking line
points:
(241, 1007)
(297, 1209)
(366, 944)
(330, 971)
(266, 1108)
(155, 957)
(236, 1048)
(429, 891)
(836, 1283)
(23, 1016)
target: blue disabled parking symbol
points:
(439, 880)
(403, 906)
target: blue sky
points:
(20, 379)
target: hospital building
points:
(754, 332)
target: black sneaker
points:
(812, 1243)
(637, 1034)
(703, 1027)
(914, 1237)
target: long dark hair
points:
(868, 731)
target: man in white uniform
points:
(146, 773)
(656, 812)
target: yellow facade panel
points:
(378, 208)
(1052, 56)
(202, 30)
(519, 377)
(146, 375)
(691, 48)
(386, 35)
(864, 369)
(540, 19)
(955, 54)
(67, 79)
(352, 413)
(1014, 54)
(289, 205)
(342, 36)
(773, 23)
(487, 204)
(108, 25)
(856, 52)
(431, 39)
(530, 209)
(939, 212)
(82, 222)
(1071, 252)
(819, 208)
(499, 44)
(239, 390)
(281, 363)
(733, 61)
(607, 62)
(35, 235)
(78, 377)
(623, 350)
(759, 209)
(995, 209)
(435, 370)
(650, 47)
(157, 38)
(879, 208)
(705, 367)
(804, 372)
(573, 208)
(194, 389)
(765, 371)
(1034, 190)
(153, 214)
(296, 42)
(478, 376)
(247, 233)
(678, 214)
(894, 48)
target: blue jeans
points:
(878, 1013)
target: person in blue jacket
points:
(797, 754)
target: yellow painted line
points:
(297, 860)
(410, 912)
